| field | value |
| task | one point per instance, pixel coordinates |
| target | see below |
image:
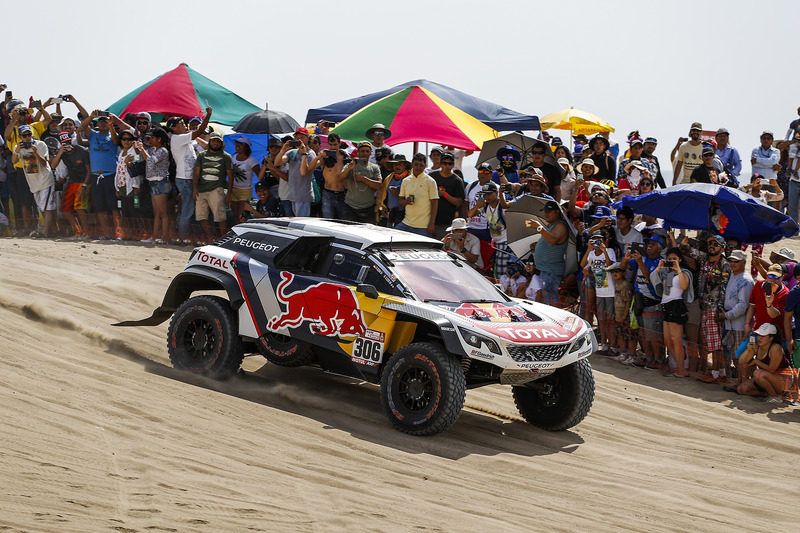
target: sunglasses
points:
(714, 243)
(26, 134)
(378, 133)
(734, 260)
(773, 276)
(645, 184)
(484, 172)
(139, 122)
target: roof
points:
(355, 234)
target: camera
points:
(9, 94)
(506, 187)
(26, 144)
(102, 114)
(694, 243)
(330, 124)
(294, 144)
(480, 196)
(669, 264)
(36, 103)
(330, 154)
(63, 98)
(597, 242)
(637, 247)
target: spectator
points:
(600, 285)
(757, 189)
(183, 153)
(634, 168)
(388, 201)
(586, 180)
(597, 197)
(300, 189)
(383, 157)
(737, 298)
(420, 198)
(267, 205)
(767, 301)
(728, 155)
(459, 156)
(648, 152)
(377, 134)
(491, 205)
(74, 198)
(689, 153)
(568, 182)
(156, 160)
(458, 240)
(784, 257)
(602, 158)
(536, 184)
(507, 173)
(550, 250)
(626, 340)
(34, 156)
(793, 136)
(244, 166)
(533, 289)
(674, 283)
(127, 181)
(213, 172)
(333, 192)
(436, 158)
(765, 358)
(144, 123)
(511, 281)
(706, 173)
(474, 192)
(451, 194)
(766, 159)
(551, 173)
(362, 179)
(271, 175)
(647, 308)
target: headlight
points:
(474, 339)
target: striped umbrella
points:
(415, 114)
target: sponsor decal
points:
(255, 245)
(445, 328)
(535, 365)
(331, 309)
(375, 335)
(482, 355)
(490, 311)
(211, 260)
(368, 350)
(531, 333)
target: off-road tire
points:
(203, 338)
(285, 351)
(422, 389)
(558, 401)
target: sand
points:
(99, 433)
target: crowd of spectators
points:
(661, 300)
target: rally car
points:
(381, 305)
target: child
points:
(267, 205)
(511, 280)
(626, 337)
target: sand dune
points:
(100, 433)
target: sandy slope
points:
(99, 433)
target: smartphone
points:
(764, 181)
(102, 114)
(294, 144)
(694, 243)
(768, 289)
(36, 103)
(57, 100)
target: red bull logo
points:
(332, 310)
(490, 311)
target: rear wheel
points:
(203, 338)
(422, 389)
(559, 401)
(283, 350)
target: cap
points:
(172, 121)
(563, 161)
(775, 269)
(556, 141)
(719, 239)
(24, 129)
(657, 238)
(242, 140)
(144, 115)
(738, 255)
(696, 126)
(651, 140)
(767, 132)
(364, 144)
(378, 126)
(274, 142)
(195, 119)
(708, 150)
(580, 137)
(550, 205)
(638, 164)
(785, 253)
(637, 141)
(723, 131)
(301, 130)
(262, 185)
(485, 166)
(437, 149)
(614, 266)
(597, 234)
(448, 155)
(767, 328)
(602, 211)
(458, 223)
(490, 187)
(215, 135)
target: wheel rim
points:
(199, 339)
(550, 392)
(415, 388)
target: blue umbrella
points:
(697, 206)
(258, 145)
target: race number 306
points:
(367, 351)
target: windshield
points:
(444, 280)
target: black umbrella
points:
(267, 121)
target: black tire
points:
(422, 389)
(285, 351)
(559, 401)
(203, 338)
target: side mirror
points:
(367, 290)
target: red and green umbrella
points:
(184, 92)
(415, 114)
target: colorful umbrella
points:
(415, 114)
(184, 92)
(575, 120)
(495, 116)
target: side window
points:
(375, 278)
(347, 270)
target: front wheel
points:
(203, 338)
(559, 401)
(422, 389)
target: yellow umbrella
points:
(576, 121)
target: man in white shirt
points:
(766, 159)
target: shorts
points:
(46, 199)
(623, 330)
(160, 187)
(71, 198)
(213, 200)
(104, 195)
(605, 308)
(651, 325)
(709, 327)
(241, 195)
(675, 312)
(695, 314)
(793, 151)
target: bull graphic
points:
(331, 309)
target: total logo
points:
(211, 260)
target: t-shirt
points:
(626, 240)
(102, 152)
(757, 298)
(534, 286)
(454, 187)
(792, 303)
(495, 222)
(692, 157)
(478, 221)
(603, 282)
(184, 155)
(360, 195)
(243, 173)
(270, 207)
(37, 128)
(423, 188)
(300, 187)
(214, 168)
(470, 243)
(704, 174)
(75, 160)
(37, 173)
(552, 175)
(641, 282)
